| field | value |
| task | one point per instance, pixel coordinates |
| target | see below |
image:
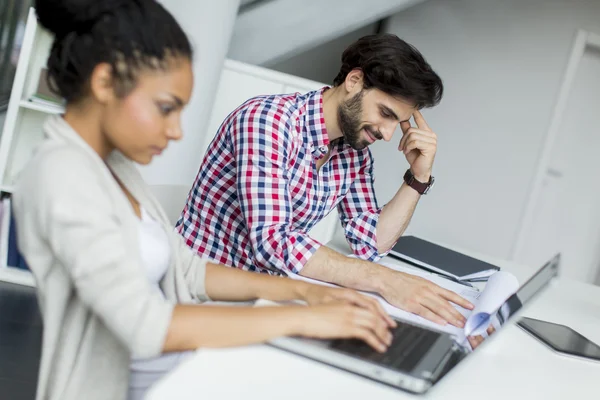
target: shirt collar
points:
(318, 138)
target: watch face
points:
(430, 185)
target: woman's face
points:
(141, 124)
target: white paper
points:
(500, 286)
(498, 289)
(466, 292)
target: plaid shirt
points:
(258, 191)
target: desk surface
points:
(509, 365)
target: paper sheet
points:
(498, 289)
(466, 292)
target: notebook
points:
(14, 257)
(441, 260)
(4, 231)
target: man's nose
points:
(388, 132)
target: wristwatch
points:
(420, 187)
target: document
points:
(500, 286)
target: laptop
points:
(418, 357)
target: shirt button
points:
(323, 149)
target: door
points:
(566, 216)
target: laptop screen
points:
(529, 289)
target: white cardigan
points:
(79, 235)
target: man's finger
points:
(420, 121)
(413, 135)
(422, 132)
(422, 146)
(405, 126)
(419, 136)
(453, 297)
(430, 315)
(475, 341)
(442, 308)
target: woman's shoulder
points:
(56, 164)
(54, 154)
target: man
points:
(279, 164)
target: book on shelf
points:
(4, 228)
(9, 252)
(44, 95)
(43, 102)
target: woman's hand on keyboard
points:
(344, 320)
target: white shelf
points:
(6, 188)
(17, 276)
(41, 108)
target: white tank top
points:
(155, 252)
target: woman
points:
(116, 286)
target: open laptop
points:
(418, 357)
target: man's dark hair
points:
(130, 35)
(394, 67)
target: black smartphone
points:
(561, 338)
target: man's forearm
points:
(328, 265)
(395, 217)
(408, 292)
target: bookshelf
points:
(23, 123)
(24, 119)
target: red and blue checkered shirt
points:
(258, 191)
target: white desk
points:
(510, 365)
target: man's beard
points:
(349, 117)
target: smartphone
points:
(561, 338)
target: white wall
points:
(502, 64)
(271, 31)
(209, 25)
(322, 63)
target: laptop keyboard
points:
(409, 345)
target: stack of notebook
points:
(43, 95)
(441, 260)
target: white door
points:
(566, 217)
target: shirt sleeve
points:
(359, 213)
(67, 205)
(194, 269)
(263, 147)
